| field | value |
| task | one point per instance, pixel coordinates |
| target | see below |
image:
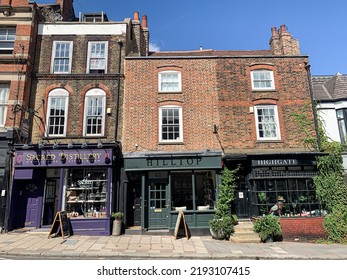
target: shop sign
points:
(281, 162)
(62, 158)
(152, 163)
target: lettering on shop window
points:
(172, 162)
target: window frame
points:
(89, 56)
(180, 115)
(57, 93)
(54, 57)
(4, 104)
(94, 93)
(272, 87)
(160, 78)
(343, 122)
(4, 49)
(276, 119)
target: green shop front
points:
(160, 185)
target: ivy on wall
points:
(331, 189)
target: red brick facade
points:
(216, 92)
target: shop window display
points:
(86, 193)
(298, 190)
(184, 198)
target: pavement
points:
(38, 245)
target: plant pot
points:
(219, 235)
(117, 227)
(269, 239)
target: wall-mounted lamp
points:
(56, 145)
(70, 145)
(84, 145)
(215, 129)
(41, 145)
(6, 13)
(100, 145)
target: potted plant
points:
(268, 227)
(117, 218)
(222, 225)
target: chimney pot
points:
(273, 31)
(144, 22)
(136, 16)
(283, 28)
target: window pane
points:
(57, 115)
(61, 57)
(7, 37)
(94, 115)
(97, 57)
(267, 126)
(262, 80)
(182, 190)
(170, 124)
(169, 82)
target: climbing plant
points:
(331, 189)
(305, 123)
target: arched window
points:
(94, 112)
(58, 101)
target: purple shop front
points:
(78, 181)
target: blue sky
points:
(320, 26)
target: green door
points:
(159, 204)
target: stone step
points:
(245, 240)
(244, 233)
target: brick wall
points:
(198, 100)
(302, 229)
(216, 91)
(237, 128)
(77, 84)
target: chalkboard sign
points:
(181, 225)
(60, 225)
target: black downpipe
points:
(120, 45)
(315, 117)
(118, 157)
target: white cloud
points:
(153, 47)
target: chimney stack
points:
(283, 43)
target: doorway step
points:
(244, 233)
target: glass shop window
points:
(86, 192)
(205, 190)
(181, 191)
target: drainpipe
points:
(120, 45)
(315, 117)
(118, 183)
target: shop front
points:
(78, 181)
(269, 176)
(160, 185)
